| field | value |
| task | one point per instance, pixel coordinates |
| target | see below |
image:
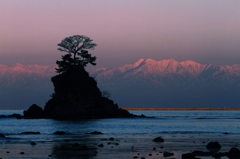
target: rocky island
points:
(76, 94)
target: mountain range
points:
(146, 83)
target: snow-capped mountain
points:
(169, 83)
(23, 85)
(146, 83)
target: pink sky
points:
(125, 31)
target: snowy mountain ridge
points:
(149, 67)
(145, 83)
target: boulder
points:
(34, 112)
(95, 132)
(233, 153)
(213, 146)
(158, 139)
(1, 135)
(167, 154)
(33, 143)
(59, 133)
(100, 145)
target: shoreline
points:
(120, 147)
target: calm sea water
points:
(161, 123)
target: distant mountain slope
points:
(169, 83)
(23, 85)
(146, 83)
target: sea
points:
(182, 130)
(157, 123)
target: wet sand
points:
(122, 147)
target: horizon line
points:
(181, 108)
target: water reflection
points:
(78, 145)
(74, 150)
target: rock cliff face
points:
(77, 96)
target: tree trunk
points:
(74, 58)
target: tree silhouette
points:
(77, 52)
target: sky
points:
(205, 31)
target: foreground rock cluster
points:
(213, 151)
(76, 96)
(102, 145)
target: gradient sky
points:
(205, 31)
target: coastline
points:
(121, 147)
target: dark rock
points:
(142, 116)
(100, 145)
(213, 146)
(135, 157)
(154, 148)
(18, 116)
(77, 96)
(150, 154)
(225, 133)
(109, 143)
(158, 139)
(233, 153)
(21, 153)
(111, 138)
(1, 135)
(7, 152)
(59, 133)
(30, 132)
(167, 154)
(33, 143)
(117, 144)
(95, 132)
(34, 112)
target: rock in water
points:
(95, 132)
(77, 96)
(158, 139)
(233, 153)
(34, 112)
(59, 133)
(1, 135)
(167, 154)
(213, 146)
